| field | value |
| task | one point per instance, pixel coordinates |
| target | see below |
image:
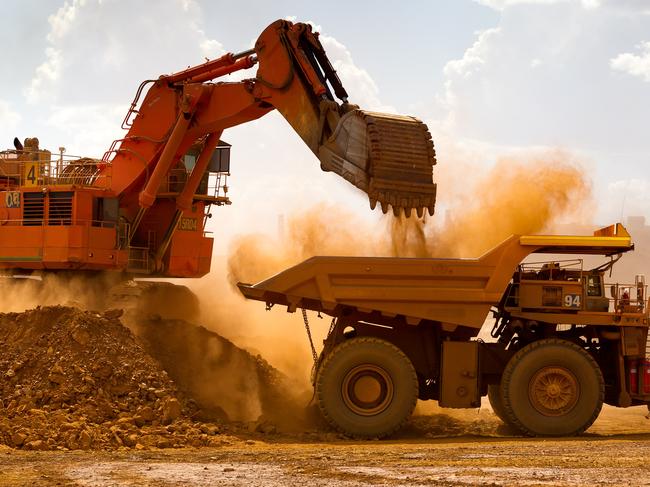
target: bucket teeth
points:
(407, 211)
(420, 211)
(431, 210)
(389, 157)
(397, 210)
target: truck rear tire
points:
(494, 396)
(552, 387)
(366, 388)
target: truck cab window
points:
(594, 287)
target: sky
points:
(489, 77)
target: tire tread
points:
(507, 375)
(355, 342)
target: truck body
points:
(556, 335)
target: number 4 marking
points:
(31, 175)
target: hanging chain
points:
(311, 340)
(329, 332)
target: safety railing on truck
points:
(629, 298)
(551, 270)
(561, 270)
(591, 294)
(39, 168)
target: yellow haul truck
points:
(563, 342)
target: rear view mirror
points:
(612, 291)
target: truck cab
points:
(565, 287)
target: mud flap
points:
(459, 375)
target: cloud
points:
(8, 118)
(88, 126)
(503, 4)
(629, 196)
(625, 6)
(634, 64)
(474, 57)
(100, 50)
(62, 21)
(460, 71)
(46, 75)
(361, 87)
(632, 6)
(542, 76)
(211, 48)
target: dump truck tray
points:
(449, 291)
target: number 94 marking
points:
(571, 300)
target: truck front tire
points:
(366, 388)
(552, 387)
(494, 396)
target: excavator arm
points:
(390, 157)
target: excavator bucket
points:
(390, 157)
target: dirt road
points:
(615, 452)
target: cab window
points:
(593, 285)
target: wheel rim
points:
(367, 390)
(553, 391)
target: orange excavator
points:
(142, 208)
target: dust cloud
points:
(519, 195)
(323, 229)
(21, 293)
(515, 197)
(277, 337)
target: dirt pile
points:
(77, 380)
(226, 382)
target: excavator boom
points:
(390, 157)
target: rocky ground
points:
(86, 401)
(615, 453)
(73, 379)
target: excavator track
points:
(390, 157)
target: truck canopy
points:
(449, 291)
